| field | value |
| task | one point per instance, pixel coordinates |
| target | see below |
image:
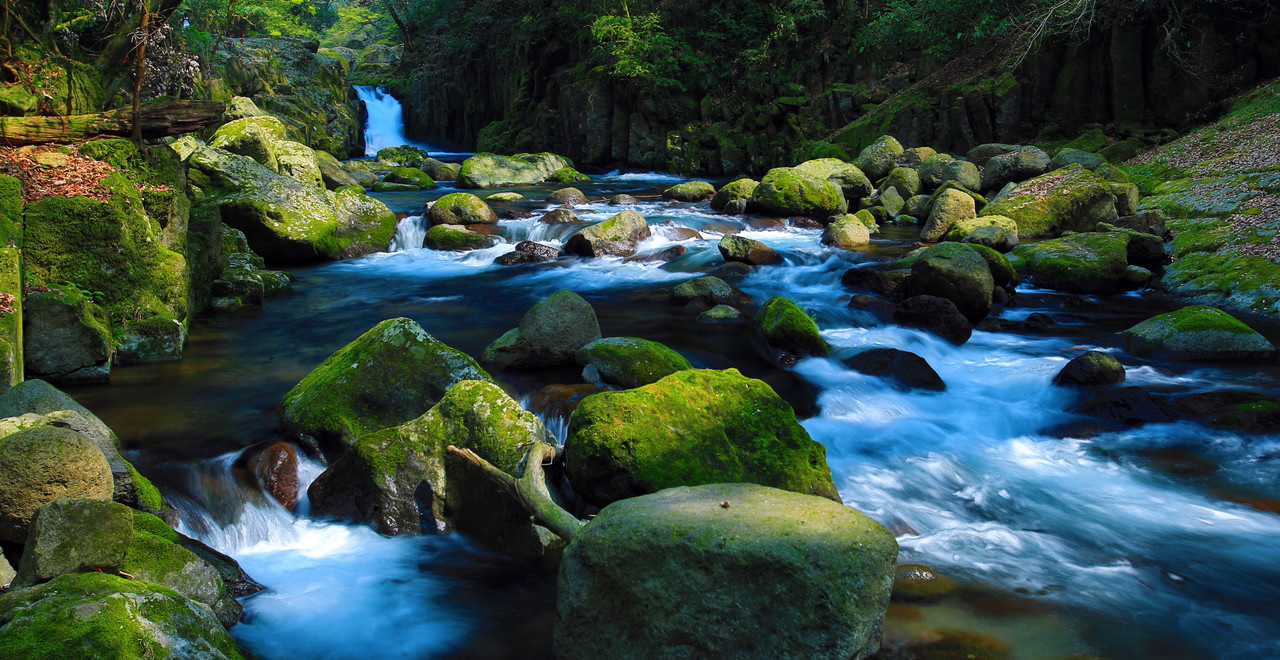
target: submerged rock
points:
(1091, 368)
(550, 333)
(693, 427)
(618, 236)
(725, 570)
(936, 315)
(906, 370)
(389, 375)
(708, 290)
(748, 251)
(1197, 332)
(528, 252)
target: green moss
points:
(461, 209)
(1091, 141)
(10, 211)
(411, 176)
(785, 191)
(1001, 270)
(455, 238)
(787, 327)
(97, 616)
(690, 191)
(693, 427)
(148, 495)
(1091, 262)
(346, 396)
(568, 175)
(1071, 198)
(630, 361)
(1195, 332)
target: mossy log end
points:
(530, 488)
(160, 118)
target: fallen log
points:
(160, 118)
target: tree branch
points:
(530, 489)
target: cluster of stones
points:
(99, 573)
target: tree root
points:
(530, 489)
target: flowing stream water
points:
(1064, 543)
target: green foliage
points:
(640, 50)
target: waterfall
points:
(385, 126)
(411, 233)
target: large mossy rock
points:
(298, 161)
(630, 361)
(740, 189)
(365, 224)
(1090, 369)
(1090, 262)
(708, 291)
(879, 157)
(693, 427)
(950, 207)
(786, 327)
(455, 238)
(41, 464)
(100, 616)
(727, 570)
(66, 339)
(690, 191)
(80, 535)
(851, 180)
(488, 170)
(401, 480)
(787, 191)
(957, 272)
(461, 209)
(283, 219)
(391, 374)
(847, 232)
(252, 137)
(550, 333)
(411, 176)
(1014, 167)
(618, 236)
(1197, 332)
(1069, 199)
(740, 249)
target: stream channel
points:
(1161, 541)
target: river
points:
(1066, 540)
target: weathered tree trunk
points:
(140, 73)
(158, 118)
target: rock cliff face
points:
(536, 96)
(289, 78)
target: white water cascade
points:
(385, 126)
(411, 233)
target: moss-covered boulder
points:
(721, 314)
(39, 465)
(853, 182)
(461, 209)
(1090, 262)
(1197, 332)
(401, 480)
(786, 191)
(1071, 156)
(568, 175)
(630, 361)
(905, 180)
(740, 249)
(690, 191)
(504, 197)
(283, 219)
(80, 535)
(993, 236)
(568, 197)
(693, 427)
(879, 157)
(786, 327)
(365, 224)
(963, 173)
(1002, 270)
(388, 187)
(725, 570)
(1072, 198)
(708, 291)
(410, 175)
(961, 229)
(489, 170)
(847, 232)
(332, 173)
(252, 137)
(1020, 165)
(1091, 368)
(950, 207)
(550, 333)
(348, 394)
(403, 156)
(455, 238)
(956, 272)
(97, 615)
(66, 339)
(617, 236)
(298, 161)
(739, 189)
(932, 170)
